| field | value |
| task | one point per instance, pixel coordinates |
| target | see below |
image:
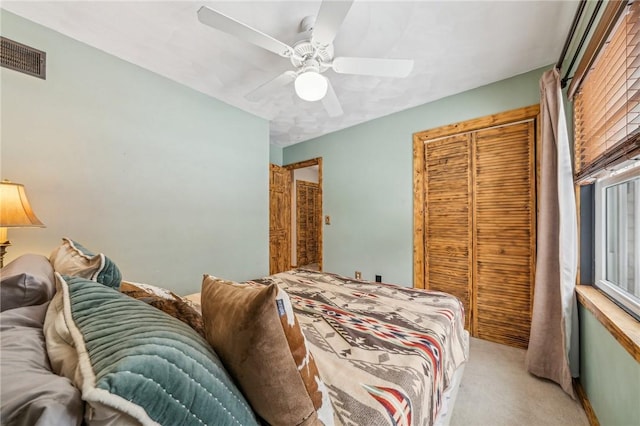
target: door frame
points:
(301, 165)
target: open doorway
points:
(306, 218)
(306, 214)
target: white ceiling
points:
(456, 46)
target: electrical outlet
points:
(358, 275)
(327, 220)
(378, 278)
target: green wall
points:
(168, 182)
(368, 177)
(275, 155)
(608, 373)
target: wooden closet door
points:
(308, 222)
(481, 250)
(448, 218)
(504, 234)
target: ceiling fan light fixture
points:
(311, 86)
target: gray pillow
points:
(26, 281)
(31, 394)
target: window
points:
(607, 148)
(607, 102)
(617, 215)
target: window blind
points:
(607, 104)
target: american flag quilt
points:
(386, 353)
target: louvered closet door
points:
(308, 222)
(504, 234)
(448, 218)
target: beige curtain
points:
(554, 302)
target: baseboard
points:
(584, 400)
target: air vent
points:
(19, 57)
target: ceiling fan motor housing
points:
(305, 52)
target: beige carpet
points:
(496, 390)
(312, 266)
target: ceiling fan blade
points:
(373, 66)
(242, 31)
(330, 17)
(331, 102)
(282, 80)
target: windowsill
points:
(624, 328)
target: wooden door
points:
(307, 222)
(279, 219)
(448, 218)
(504, 233)
(475, 202)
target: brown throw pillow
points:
(169, 303)
(257, 336)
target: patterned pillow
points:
(134, 364)
(167, 301)
(71, 258)
(259, 340)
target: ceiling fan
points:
(310, 56)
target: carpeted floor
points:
(312, 266)
(496, 390)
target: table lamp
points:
(15, 212)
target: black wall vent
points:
(19, 57)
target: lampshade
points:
(15, 210)
(311, 86)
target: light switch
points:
(327, 220)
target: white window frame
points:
(627, 300)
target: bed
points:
(386, 355)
